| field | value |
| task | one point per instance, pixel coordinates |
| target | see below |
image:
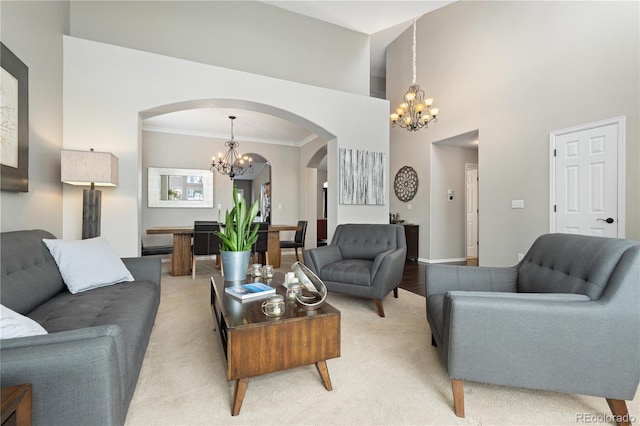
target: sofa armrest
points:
(559, 342)
(440, 279)
(77, 375)
(144, 268)
(317, 258)
(387, 270)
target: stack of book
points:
(250, 291)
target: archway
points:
(284, 197)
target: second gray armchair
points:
(565, 319)
(365, 260)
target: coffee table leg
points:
(241, 388)
(324, 373)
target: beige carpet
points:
(388, 374)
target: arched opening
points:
(278, 179)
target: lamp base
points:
(91, 204)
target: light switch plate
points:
(517, 204)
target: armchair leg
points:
(433, 342)
(297, 258)
(458, 396)
(379, 306)
(193, 267)
(620, 412)
(395, 292)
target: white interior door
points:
(471, 207)
(586, 180)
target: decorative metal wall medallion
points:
(405, 183)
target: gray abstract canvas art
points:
(361, 176)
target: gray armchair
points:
(565, 319)
(365, 260)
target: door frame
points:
(620, 123)
(467, 168)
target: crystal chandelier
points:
(232, 164)
(415, 112)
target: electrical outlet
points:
(409, 206)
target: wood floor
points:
(413, 278)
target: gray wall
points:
(33, 32)
(516, 71)
(167, 150)
(243, 35)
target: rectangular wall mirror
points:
(168, 187)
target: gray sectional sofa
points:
(85, 370)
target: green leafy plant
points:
(237, 234)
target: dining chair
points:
(298, 240)
(261, 246)
(205, 242)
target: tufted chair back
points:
(366, 241)
(563, 263)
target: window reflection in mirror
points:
(169, 187)
(188, 188)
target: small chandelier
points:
(416, 111)
(232, 164)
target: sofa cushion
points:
(87, 264)
(132, 306)
(13, 325)
(352, 271)
(29, 275)
(579, 265)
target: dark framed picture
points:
(14, 122)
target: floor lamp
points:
(94, 169)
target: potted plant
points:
(237, 236)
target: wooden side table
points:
(16, 405)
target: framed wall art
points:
(361, 176)
(14, 122)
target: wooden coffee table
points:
(255, 344)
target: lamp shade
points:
(87, 167)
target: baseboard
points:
(452, 260)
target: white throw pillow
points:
(12, 325)
(87, 264)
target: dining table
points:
(181, 257)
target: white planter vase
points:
(235, 264)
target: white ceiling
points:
(383, 20)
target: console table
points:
(412, 234)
